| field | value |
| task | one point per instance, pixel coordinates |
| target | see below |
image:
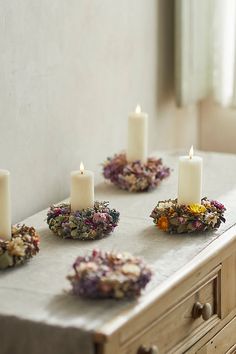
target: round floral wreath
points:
(87, 224)
(109, 275)
(23, 245)
(173, 218)
(134, 176)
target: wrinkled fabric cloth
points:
(38, 315)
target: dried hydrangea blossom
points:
(87, 224)
(23, 245)
(135, 176)
(173, 218)
(104, 275)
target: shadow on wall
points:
(170, 127)
(217, 127)
(165, 52)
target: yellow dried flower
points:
(197, 208)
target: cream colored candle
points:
(137, 136)
(190, 179)
(5, 205)
(82, 189)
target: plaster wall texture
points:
(71, 71)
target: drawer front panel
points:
(223, 342)
(178, 326)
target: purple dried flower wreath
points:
(170, 217)
(134, 176)
(87, 224)
(23, 245)
(104, 275)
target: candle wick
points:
(82, 172)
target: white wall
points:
(217, 127)
(70, 73)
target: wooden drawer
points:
(223, 342)
(177, 330)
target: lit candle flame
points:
(191, 152)
(138, 109)
(81, 167)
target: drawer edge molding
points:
(126, 337)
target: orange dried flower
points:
(163, 223)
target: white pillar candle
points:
(190, 179)
(5, 205)
(82, 189)
(137, 136)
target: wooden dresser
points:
(194, 309)
(188, 307)
(193, 312)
